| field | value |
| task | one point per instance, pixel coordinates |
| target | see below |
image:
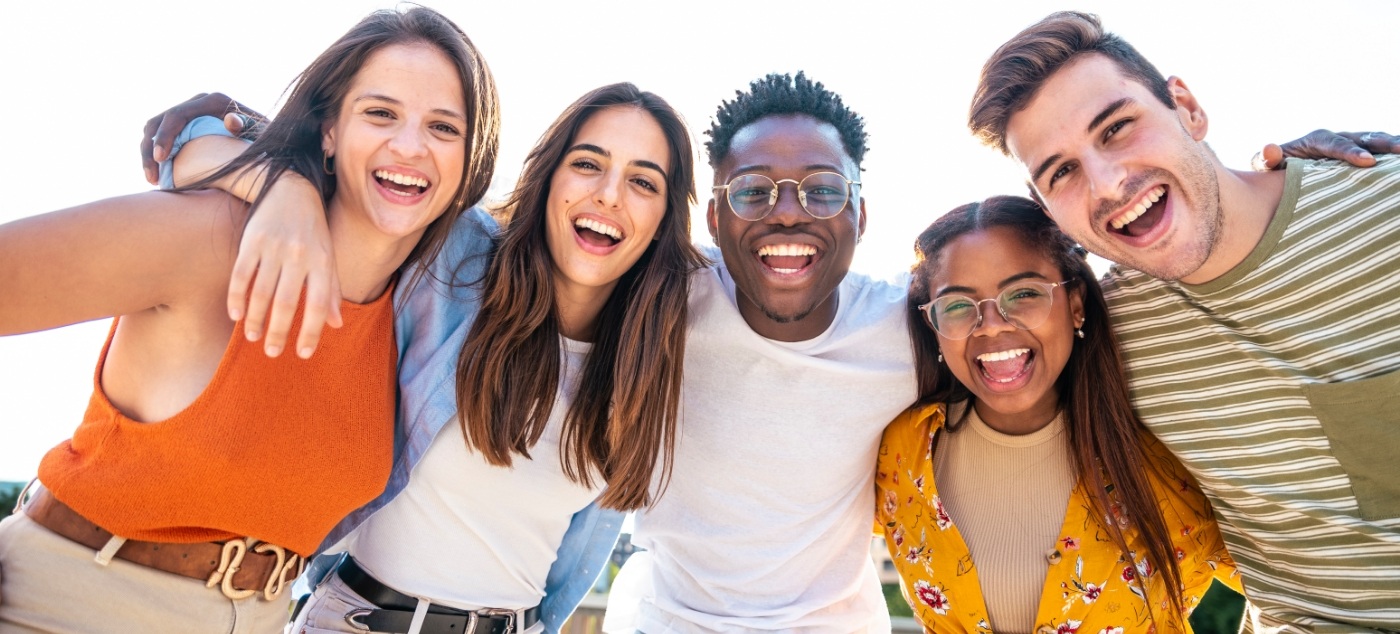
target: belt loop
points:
(420, 614)
(109, 551)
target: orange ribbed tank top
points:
(275, 449)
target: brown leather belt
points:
(239, 567)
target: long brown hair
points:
(292, 139)
(1107, 441)
(624, 412)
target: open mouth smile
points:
(400, 187)
(787, 259)
(597, 236)
(1006, 370)
(1140, 219)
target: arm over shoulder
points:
(115, 257)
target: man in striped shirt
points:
(1259, 312)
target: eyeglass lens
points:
(822, 194)
(1026, 305)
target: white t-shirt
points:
(470, 535)
(766, 524)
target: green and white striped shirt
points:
(1278, 385)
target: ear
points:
(1076, 304)
(860, 227)
(712, 221)
(1188, 110)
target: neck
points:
(367, 259)
(1020, 423)
(801, 328)
(1248, 201)
(578, 308)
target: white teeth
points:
(1003, 355)
(594, 225)
(1141, 208)
(402, 179)
(789, 250)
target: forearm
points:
(204, 155)
(113, 257)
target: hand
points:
(286, 244)
(161, 129)
(1357, 148)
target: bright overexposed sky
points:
(82, 78)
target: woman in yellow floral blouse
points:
(1024, 455)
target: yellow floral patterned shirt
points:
(1089, 585)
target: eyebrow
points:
(1093, 123)
(387, 99)
(815, 167)
(589, 147)
(1014, 278)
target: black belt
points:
(395, 613)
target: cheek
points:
(648, 222)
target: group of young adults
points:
(1042, 453)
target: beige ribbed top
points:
(1007, 496)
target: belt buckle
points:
(231, 558)
(509, 616)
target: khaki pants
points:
(50, 584)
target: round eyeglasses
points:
(1025, 305)
(822, 194)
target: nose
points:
(787, 210)
(1106, 176)
(989, 320)
(608, 192)
(408, 142)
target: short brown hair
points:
(1017, 70)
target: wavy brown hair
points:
(1107, 440)
(1015, 72)
(292, 139)
(624, 412)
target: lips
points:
(787, 258)
(1139, 219)
(401, 186)
(597, 235)
(1005, 369)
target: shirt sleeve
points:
(200, 126)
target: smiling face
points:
(1120, 172)
(607, 198)
(1010, 372)
(398, 143)
(787, 265)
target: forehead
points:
(787, 144)
(626, 133)
(983, 258)
(1060, 112)
(411, 72)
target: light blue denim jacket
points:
(432, 320)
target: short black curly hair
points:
(782, 94)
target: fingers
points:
(284, 307)
(1270, 158)
(1375, 142)
(149, 163)
(320, 303)
(235, 123)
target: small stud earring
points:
(1079, 330)
(940, 357)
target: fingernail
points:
(235, 314)
(158, 153)
(304, 353)
(273, 351)
(253, 335)
(1365, 154)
